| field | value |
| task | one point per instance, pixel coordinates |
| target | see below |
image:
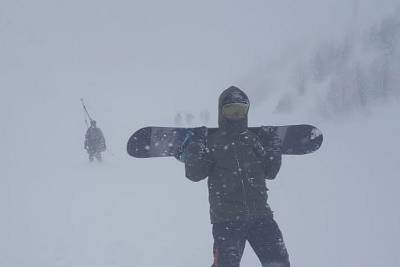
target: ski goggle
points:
(235, 111)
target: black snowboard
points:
(151, 142)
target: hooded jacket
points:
(236, 164)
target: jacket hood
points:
(232, 95)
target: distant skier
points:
(237, 164)
(205, 117)
(178, 119)
(189, 117)
(94, 142)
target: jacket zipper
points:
(243, 186)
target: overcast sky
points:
(169, 47)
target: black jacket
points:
(236, 164)
(94, 140)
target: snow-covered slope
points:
(336, 207)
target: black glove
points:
(270, 140)
(194, 145)
(272, 145)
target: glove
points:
(272, 144)
(194, 145)
(270, 140)
(191, 150)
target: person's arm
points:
(195, 155)
(103, 140)
(85, 144)
(273, 165)
(269, 149)
(198, 163)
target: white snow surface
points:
(139, 63)
(335, 207)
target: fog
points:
(334, 64)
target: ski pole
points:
(84, 107)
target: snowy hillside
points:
(339, 203)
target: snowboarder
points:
(237, 165)
(94, 142)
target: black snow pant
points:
(264, 237)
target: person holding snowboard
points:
(237, 163)
(94, 142)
